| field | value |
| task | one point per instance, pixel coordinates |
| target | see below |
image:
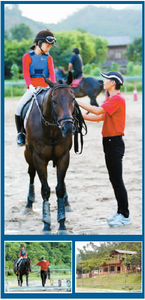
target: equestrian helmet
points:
(76, 50)
(44, 36)
(22, 245)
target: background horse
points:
(89, 86)
(24, 267)
(49, 131)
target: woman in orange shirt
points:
(36, 63)
(44, 264)
(113, 113)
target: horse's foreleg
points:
(41, 167)
(67, 205)
(32, 173)
(62, 166)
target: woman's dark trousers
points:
(114, 149)
(43, 277)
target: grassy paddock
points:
(115, 282)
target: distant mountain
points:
(100, 21)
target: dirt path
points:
(90, 193)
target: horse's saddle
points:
(77, 81)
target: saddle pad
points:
(28, 112)
(76, 82)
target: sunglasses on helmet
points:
(50, 39)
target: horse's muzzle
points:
(66, 125)
(68, 129)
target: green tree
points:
(134, 51)
(14, 52)
(21, 31)
(15, 72)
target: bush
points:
(115, 67)
(15, 72)
(87, 69)
(18, 91)
(96, 72)
(134, 70)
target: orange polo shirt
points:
(43, 265)
(115, 115)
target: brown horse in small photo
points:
(50, 126)
(24, 268)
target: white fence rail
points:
(126, 78)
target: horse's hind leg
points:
(32, 173)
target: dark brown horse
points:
(24, 267)
(49, 131)
(89, 86)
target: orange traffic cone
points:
(135, 94)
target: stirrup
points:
(21, 139)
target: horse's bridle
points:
(64, 119)
(57, 120)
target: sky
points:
(79, 245)
(53, 13)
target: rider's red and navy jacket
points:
(34, 66)
(22, 253)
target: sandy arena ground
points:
(90, 193)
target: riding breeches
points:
(22, 101)
(114, 149)
(76, 74)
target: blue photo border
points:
(73, 238)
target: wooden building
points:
(117, 45)
(116, 265)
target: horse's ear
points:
(49, 82)
(69, 78)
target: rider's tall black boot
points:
(21, 135)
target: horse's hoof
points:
(46, 228)
(68, 209)
(62, 232)
(27, 210)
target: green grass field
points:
(115, 282)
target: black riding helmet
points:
(44, 36)
(22, 245)
(76, 50)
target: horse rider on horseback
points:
(36, 63)
(22, 254)
(76, 63)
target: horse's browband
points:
(60, 86)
